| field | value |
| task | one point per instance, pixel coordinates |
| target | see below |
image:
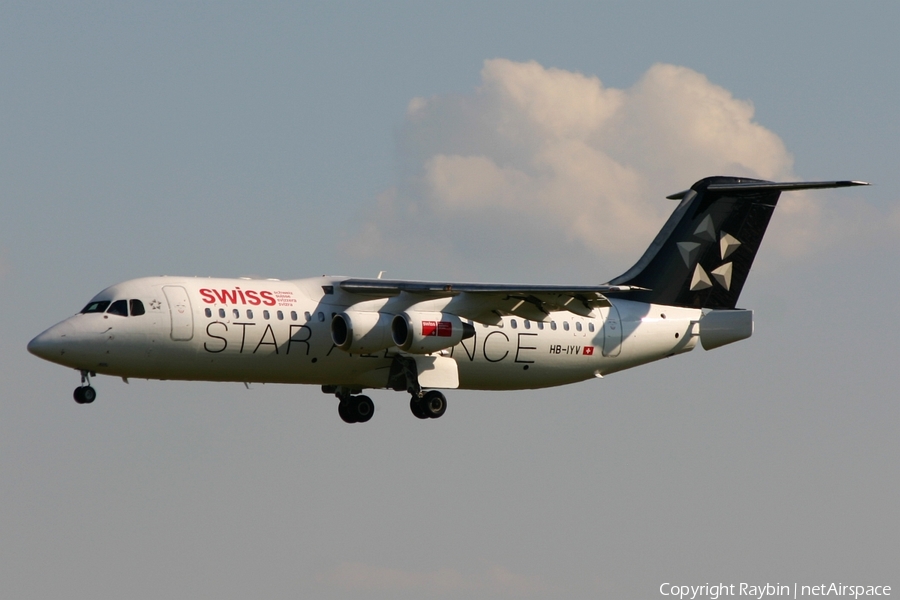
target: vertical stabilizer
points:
(702, 256)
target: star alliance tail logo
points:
(701, 280)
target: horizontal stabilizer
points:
(768, 186)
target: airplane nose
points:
(50, 345)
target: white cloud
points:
(549, 167)
(560, 103)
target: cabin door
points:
(180, 311)
(612, 332)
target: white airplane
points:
(348, 335)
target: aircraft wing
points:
(486, 302)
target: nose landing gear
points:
(85, 394)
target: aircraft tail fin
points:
(702, 256)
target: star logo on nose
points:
(155, 305)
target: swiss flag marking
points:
(437, 328)
(588, 350)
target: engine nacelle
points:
(426, 332)
(361, 332)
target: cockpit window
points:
(95, 307)
(119, 307)
(137, 308)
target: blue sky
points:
(281, 140)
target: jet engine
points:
(361, 332)
(427, 332)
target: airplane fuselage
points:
(250, 330)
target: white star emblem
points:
(701, 280)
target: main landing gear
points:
(352, 408)
(85, 394)
(430, 406)
(356, 408)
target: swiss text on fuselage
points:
(238, 296)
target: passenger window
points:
(280, 315)
(293, 315)
(119, 307)
(512, 323)
(236, 313)
(591, 327)
(553, 325)
(308, 316)
(321, 316)
(221, 313)
(137, 308)
(540, 325)
(527, 324)
(566, 325)
(578, 325)
(96, 307)
(249, 314)
(208, 313)
(266, 315)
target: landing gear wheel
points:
(363, 407)
(85, 394)
(434, 404)
(416, 406)
(346, 411)
(356, 409)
